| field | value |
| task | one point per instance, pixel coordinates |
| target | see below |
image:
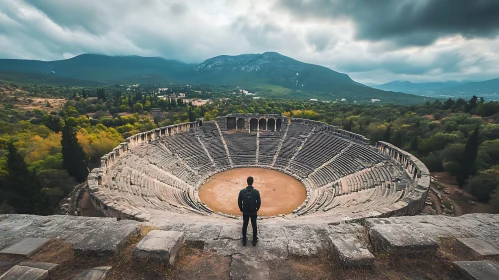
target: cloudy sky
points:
(372, 41)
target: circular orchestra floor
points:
(280, 193)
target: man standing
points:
(249, 202)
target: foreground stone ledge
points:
(351, 252)
(96, 273)
(41, 265)
(159, 245)
(25, 247)
(100, 236)
(478, 248)
(478, 270)
(401, 240)
(25, 273)
(108, 241)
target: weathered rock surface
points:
(409, 235)
(350, 251)
(25, 247)
(41, 265)
(478, 248)
(483, 226)
(478, 270)
(20, 272)
(247, 268)
(401, 240)
(159, 245)
(96, 273)
(87, 234)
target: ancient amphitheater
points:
(155, 175)
(362, 208)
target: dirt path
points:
(457, 209)
(436, 202)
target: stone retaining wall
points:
(416, 169)
(94, 179)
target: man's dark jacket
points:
(255, 194)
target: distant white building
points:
(314, 99)
(375, 100)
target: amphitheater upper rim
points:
(409, 205)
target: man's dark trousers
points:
(253, 225)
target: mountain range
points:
(269, 73)
(488, 89)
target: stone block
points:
(478, 248)
(41, 265)
(108, 240)
(20, 272)
(351, 252)
(96, 273)
(478, 270)
(159, 245)
(401, 240)
(25, 247)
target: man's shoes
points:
(244, 242)
(255, 241)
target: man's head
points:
(250, 181)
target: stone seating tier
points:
(156, 175)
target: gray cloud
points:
(373, 41)
(405, 22)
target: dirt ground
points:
(463, 202)
(280, 193)
(56, 104)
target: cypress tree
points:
(387, 135)
(74, 159)
(21, 188)
(469, 158)
(348, 126)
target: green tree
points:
(387, 135)
(482, 186)
(21, 189)
(101, 94)
(469, 158)
(53, 123)
(74, 159)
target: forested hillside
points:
(42, 126)
(269, 74)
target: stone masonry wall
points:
(412, 204)
(94, 179)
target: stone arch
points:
(271, 124)
(278, 125)
(241, 124)
(262, 124)
(231, 123)
(253, 125)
